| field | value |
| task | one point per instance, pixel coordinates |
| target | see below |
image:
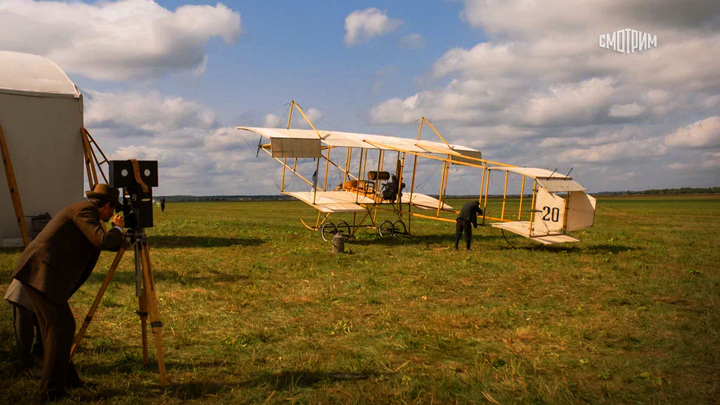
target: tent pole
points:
(12, 186)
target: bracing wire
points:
(419, 186)
(256, 147)
(262, 163)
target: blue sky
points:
(525, 82)
(296, 50)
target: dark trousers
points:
(57, 327)
(27, 330)
(463, 225)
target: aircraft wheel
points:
(327, 231)
(343, 228)
(399, 228)
(386, 228)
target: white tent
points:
(41, 114)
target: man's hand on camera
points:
(117, 220)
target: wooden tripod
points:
(147, 298)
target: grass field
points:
(256, 309)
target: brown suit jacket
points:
(63, 255)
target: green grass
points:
(257, 309)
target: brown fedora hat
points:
(106, 193)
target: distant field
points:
(256, 309)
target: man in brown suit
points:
(28, 338)
(54, 265)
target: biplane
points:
(369, 184)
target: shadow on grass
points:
(169, 241)
(279, 381)
(611, 248)
(10, 365)
(528, 245)
(483, 241)
(193, 390)
(479, 240)
(289, 380)
(402, 240)
(173, 276)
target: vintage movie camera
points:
(136, 178)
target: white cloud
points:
(413, 41)
(196, 155)
(313, 114)
(396, 110)
(679, 166)
(276, 121)
(483, 60)
(712, 161)
(523, 18)
(618, 151)
(273, 121)
(149, 112)
(701, 134)
(570, 103)
(176, 132)
(116, 40)
(540, 74)
(228, 139)
(626, 110)
(600, 138)
(364, 25)
(140, 153)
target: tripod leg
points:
(142, 300)
(98, 297)
(152, 304)
(143, 312)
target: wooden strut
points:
(147, 304)
(91, 159)
(381, 156)
(12, 186)
(89, 166)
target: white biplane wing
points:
(424, 202)
(307, 143)
(332, 201)
(522, 228)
